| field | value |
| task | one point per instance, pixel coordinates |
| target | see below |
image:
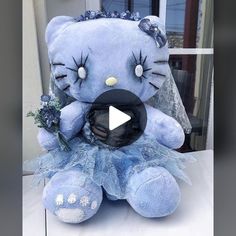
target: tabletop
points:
(194, 216)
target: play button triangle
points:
(117, 118)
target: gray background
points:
(10, 119)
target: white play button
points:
(117, 118)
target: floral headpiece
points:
(153, 30)
(92, 15)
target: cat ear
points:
(55, 26)
(153, 26)
(155, 20)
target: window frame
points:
(176, 51)
(194, 51)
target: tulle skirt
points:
(107, 166)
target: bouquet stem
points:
(63, 142)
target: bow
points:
(153, 30)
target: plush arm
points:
(72, 120)
(164, 128)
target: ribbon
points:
(153, 30)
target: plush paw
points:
(164, 128)
(153, 192)
(72, 196)
(47, 140)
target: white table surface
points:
(194, 216)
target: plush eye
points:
(138, 70)
(140, 67)
(82, 72)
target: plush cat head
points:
(90, 57)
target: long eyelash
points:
(75, 62)
(78, 66)
(81, 58)
(76, 80)
(141, 62)
(144, 60)
(81, 62)
(147, 69)
(154, 85)
(156, 73)
(60, 77)
(85, 60)
(64, 89)
(71, 69)
(136, 62)
(143, 76)
(140, 57)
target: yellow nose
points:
(111, 81)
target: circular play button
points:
(117, 117)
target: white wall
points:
(32, 88)
(36, 15)
(45, 10)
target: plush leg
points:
(72, 196)
(153, 192)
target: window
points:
(144, 7)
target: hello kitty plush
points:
(90, 55)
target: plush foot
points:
(153, 192)
(72, 196)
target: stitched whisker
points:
(153, 85)
(64, 89)
(58, 64)
(161, 62)
(60, 77)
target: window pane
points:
(111, 5)
(144, 7)
(175, 12)
(193, 76)
(189, 24)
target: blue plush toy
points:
(89, 56)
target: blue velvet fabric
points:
(109, 45)
(72, 196)
(110, 167)
(153, 192)
(145, 172)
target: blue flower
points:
(91, 15)
(45, 98)
(50, 117)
